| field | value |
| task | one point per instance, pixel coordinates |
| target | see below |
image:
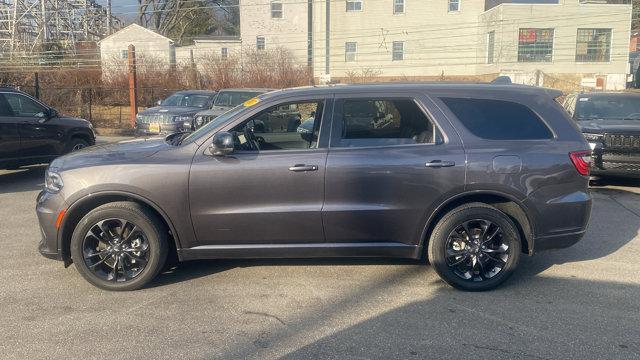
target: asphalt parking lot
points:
(577, 303)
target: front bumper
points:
(143, 129)
(615, 163)
(48, 207)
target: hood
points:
(601, 126)
(123, 151)
(215, 111)
(171, 110)
(77, 122)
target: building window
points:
(398, 6)
(593, 45)
(350, 51)
(535, 45)
(354, 5)
(491, 44)
(124, 54)
(398, 50)
(224, 53)
(276, 9)
(260, 43)
(454, 5)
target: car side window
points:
(289, 126)
(381, 122)
(498, 119)
(23, 106)
(5, 109)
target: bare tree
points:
(182, 18)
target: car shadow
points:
(25, 179)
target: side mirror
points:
(159, 102)
(222, 144)
(52, 113)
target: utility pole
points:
(109, 22)
(43, 19)
(133, 84)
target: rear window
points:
(498, 119)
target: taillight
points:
(581, 160)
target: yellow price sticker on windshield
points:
(251, 102)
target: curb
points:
(114, 132)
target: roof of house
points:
(217, 38)
(136, 27)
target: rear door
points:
(9, 137)
(392, 160)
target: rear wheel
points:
(475, 247)
(119, 246)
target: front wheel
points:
(475, 247)
(119, 246)
(75, 144)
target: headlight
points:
(181, 118)
(593, 137)
(52, 181)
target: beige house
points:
(152, 49)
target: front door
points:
(390, 163)
(40, 137)
(270, 190)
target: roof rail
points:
(502, 80)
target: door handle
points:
(302, 167)
(440, 164)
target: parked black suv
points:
(469, 175)
(611, 124)
(34, 133)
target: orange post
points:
(133, 84)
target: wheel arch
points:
(82, 135)
(82, 206)
(504, 202)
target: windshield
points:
(191, 100)
(234, 98)
(218, 121)
(613, 107)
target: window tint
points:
(290, 126)
(498, 120)
(23, 106)
(378, 122)
(5, 110)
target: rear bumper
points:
(558, 241)
(560, 221)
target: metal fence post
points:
(36, 85)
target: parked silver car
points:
(226, 100)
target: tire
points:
(473, 263)
(131, 226)
(75, 144)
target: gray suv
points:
(468, 176)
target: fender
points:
(520, 202)
(79, 202)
